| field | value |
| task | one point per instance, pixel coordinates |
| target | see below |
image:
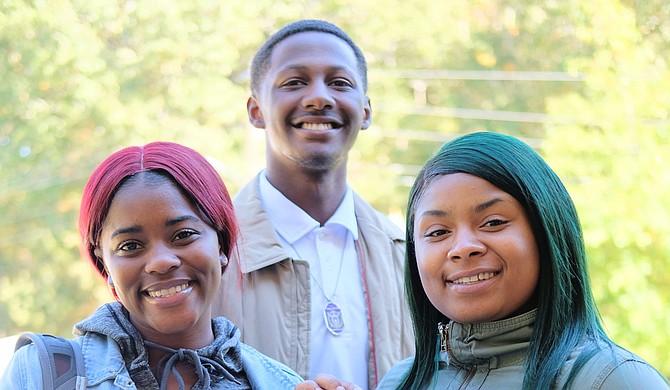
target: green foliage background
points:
(586, 82)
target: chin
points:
(466, 316)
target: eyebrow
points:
(478, 209)
(483, 206)
(126, 230)
(331, 68)
(434, 213)
(176, 220)
(168, 223)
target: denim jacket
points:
(106, 366)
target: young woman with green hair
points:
(496, 260)
(497, 282)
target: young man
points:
(317, 281)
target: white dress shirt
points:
(330, 251)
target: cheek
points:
(429, 268)
(118, 278)
(420, 259)
(528, 269)
(533, 275)
(427, 255)
(124, 274)
(212, 261)
(532, 255)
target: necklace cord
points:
(332, 314)
(168, 364)
(339, 272)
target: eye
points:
(183, 235)
(292, 83)
(129, 246)
(436, 233)
(495, 222)
(342, 83)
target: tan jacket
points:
(266, 293)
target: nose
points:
(161, 259)
(318, 97)
(465, 245)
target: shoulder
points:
(613, 367)
(23, 370)
(264, 372)
(249, 210)
(628, 371)
(103, 360)
(369, 218)
(634, 374)
(395, 376)
(250, 193)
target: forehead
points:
(154, 195)
(460, 190)
(310, 49)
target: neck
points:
(186, 370)
(318, 194)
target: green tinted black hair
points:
(261, 61)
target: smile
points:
(168, 292)
(317, 126)
(475, 278)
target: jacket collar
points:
(110, 321)
(292, 222)
(491, 344)
(259, 244)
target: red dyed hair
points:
(187, 168)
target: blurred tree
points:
(614, 158)
(55, 104)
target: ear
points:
(224, 262)
(110, 284)
(367, 114)
(97, 253)
(255, 114)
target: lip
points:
(469, 273)
(171, 299)
(316, 119)
(178, 284)
(472, 286)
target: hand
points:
(326, 382)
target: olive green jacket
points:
(491, 356)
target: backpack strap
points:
(60, 358)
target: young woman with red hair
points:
(157, 223)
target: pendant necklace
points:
(332, 314)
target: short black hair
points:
(261, 61)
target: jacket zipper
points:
(468, 377)
(443, 330)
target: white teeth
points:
(168, 292)
(317, 126)
(475, 278)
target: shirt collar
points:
(293, 223)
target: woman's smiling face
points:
(164, 260)
(475, 250)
